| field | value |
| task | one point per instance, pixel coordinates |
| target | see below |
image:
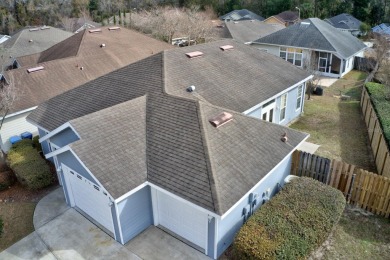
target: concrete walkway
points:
(63, 233)
(308, 147)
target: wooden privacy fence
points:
(377, 140)
(367, 190)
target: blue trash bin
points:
(26, 135)
(14, 139)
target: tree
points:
(8, 96)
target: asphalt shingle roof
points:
(26, 42)
(315, 34)
(344, 21)
(236, 79)
(184, 154)
(247, 31)
(243, 14)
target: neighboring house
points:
(383, 28)
(76, 25)
(285, 18)
(28, 41)
(75, 61)
(346, 22)
(3, 38)
(240, 15)
(315, 45)
(147, 152)
(248, 31)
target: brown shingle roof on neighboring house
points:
(64, 71)
(247, 31)
(288, 16)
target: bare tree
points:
(381, 54)
(8, 96)
(67, 23)
(310, 65)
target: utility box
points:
(26, 135)
(14, 139)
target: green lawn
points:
(337, 125)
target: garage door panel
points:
(183, 219)
(91, 199)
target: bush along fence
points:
(375, 133)
(364, 189)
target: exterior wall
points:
(291, 111)
(135, 213)
(68, 159)
(64, 137)
(270, 48)
(349, 65)
(44, 144)
(230, 225)
(15, 125)
(273, 20)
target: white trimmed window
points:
(283, 104)
(292, 55)
(299, 97)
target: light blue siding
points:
(64, 137)
(228, 227)
(135, 213)
(211, 237)
(291, 110)
(68, 159)
(115, 222)
(44, 144)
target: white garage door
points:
(89, 198)
(182, 219)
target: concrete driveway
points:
(63, 233)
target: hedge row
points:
(29, 167)
(378, 95)
(292, 224)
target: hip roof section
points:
(316, 34)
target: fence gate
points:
(310, 165)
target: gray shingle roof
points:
(344, 21)
(211, 167)
(318, 35)
(112, 141)
(180, 151)
(235, 79)
(247, 31)
(239, 15)
(27, 42)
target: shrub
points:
(292, 224)
(378, 94)
(29, 167)
(36, 143)
(6, 180)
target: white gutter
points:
(20, 112)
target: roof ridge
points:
(214, 194)
(315, 24)
(81, 42)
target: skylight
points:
(35, 69)
(194, 54)
(114, 28)
(221, 119)
(226, 47)
(95, 30)
(34, 29)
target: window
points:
(299, 97)
(292, 55)
(283, 104)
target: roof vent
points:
(194, 54)
(35, 69)
(102, 45)
(226, 47)
(221, 119)
(95, 31)
(114, 28)
(191, 89)
(30, 40)
(284, 138)
(235, 22)
(34, 29)
(45, 27)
